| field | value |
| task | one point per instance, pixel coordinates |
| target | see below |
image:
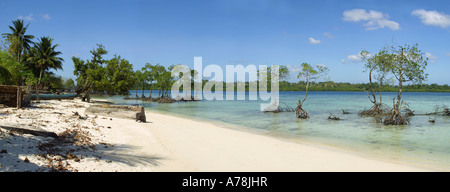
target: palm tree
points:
(44, 56)
(19, 42)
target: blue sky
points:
(224, 32)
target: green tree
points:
(140, 82)
(157, 72)
(148, 77)
(18, 41)
(408, 64)
(90, 72)
(378, 67)
(309, 73)
(119, 76)
(69, 84)
(45, 57)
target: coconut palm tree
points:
(19, 42)
(44, 56)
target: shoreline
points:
(359, 162)
(378, 154)
(164, 143)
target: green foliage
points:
(101, 76)
(18, 40)
(119, 76)
(69, 84)
(311, 73)
(12, 72)
(44, 56)
(409, 63)
(283, 73)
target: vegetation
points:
(45, 56)
(377, 67)
(24, 62)
(19, 42)
(309, 73)
(407, 64)
(101, 76)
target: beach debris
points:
(119, 111)
(344, 111)
(333, 117)
(166, 100)
(75, 113)
(432, 120)
(408, 111)
(70, 156)
(277, 108)
(30, 130)
(375, 110)
(439, 110)
(379, 119)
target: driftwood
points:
(344, 111)
(57, 97)
(30, 130)
(120, 111)
(333, 117)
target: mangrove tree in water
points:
(309, 73)
(407, 64)
(378, 69)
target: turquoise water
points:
(420, 142)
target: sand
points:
(163, 143)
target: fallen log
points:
(120, 111)
(30, 130)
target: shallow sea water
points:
(419, 142)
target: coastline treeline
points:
(330, 86)
(27, 61)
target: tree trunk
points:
(19, 97)
(143, 88)
(40, 76)
(306, 94)
(396, 118)
(301, 113)
(374, 101)
(151, 85)
(381, 85)
(400, 84)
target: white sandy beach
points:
(163, 143)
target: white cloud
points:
(27, 18)
(448, 54)
(46, 16)
(294, 68)
(354, 58)
(328, 35)
(372, 19)
(433, 18)
(313, 41)
(431, 58)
